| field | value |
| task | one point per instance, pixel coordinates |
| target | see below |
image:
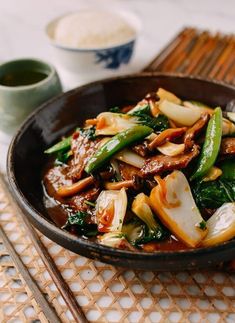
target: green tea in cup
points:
(24, 85)
(24, 77)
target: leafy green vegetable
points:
(115, 110)
(79, 220)
(153, 234)
(61, 145)
(142, 210)
(202, 225)
(159, 123)
(228, 169)
(213, 194)
(134, 231)
(89, 133)
(141, 108)
(137, 232)
(62, 157)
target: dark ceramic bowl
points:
(55, 118)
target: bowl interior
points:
(62, 114)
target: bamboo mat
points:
(105, 293)
(199, 53)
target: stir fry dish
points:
(159, 175)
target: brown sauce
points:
(170, 244)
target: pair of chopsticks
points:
(62, 286)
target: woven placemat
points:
(105, 293)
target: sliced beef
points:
(161, 163)
(82, 149)
(77, 202)
(141, 149)
(54, 178)
(128, 172)
(193, 132)
(227, 147)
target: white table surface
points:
(22, 29)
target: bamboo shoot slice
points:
(178, 211)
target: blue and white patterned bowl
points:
(98, 62)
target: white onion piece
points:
(181, 115)
(231, 116)
(171, 149)
(180, 215)
(228, 127)
(166, 95)
(119, 201)
(112, 239)
(221, 225)
(200, 106)
(112, 123)
(129, 157)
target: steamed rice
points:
(92, 29)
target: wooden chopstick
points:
(46, 307)
(60, 283)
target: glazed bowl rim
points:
(85, 243)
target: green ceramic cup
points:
(24, 85)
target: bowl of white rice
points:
(92, 42)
